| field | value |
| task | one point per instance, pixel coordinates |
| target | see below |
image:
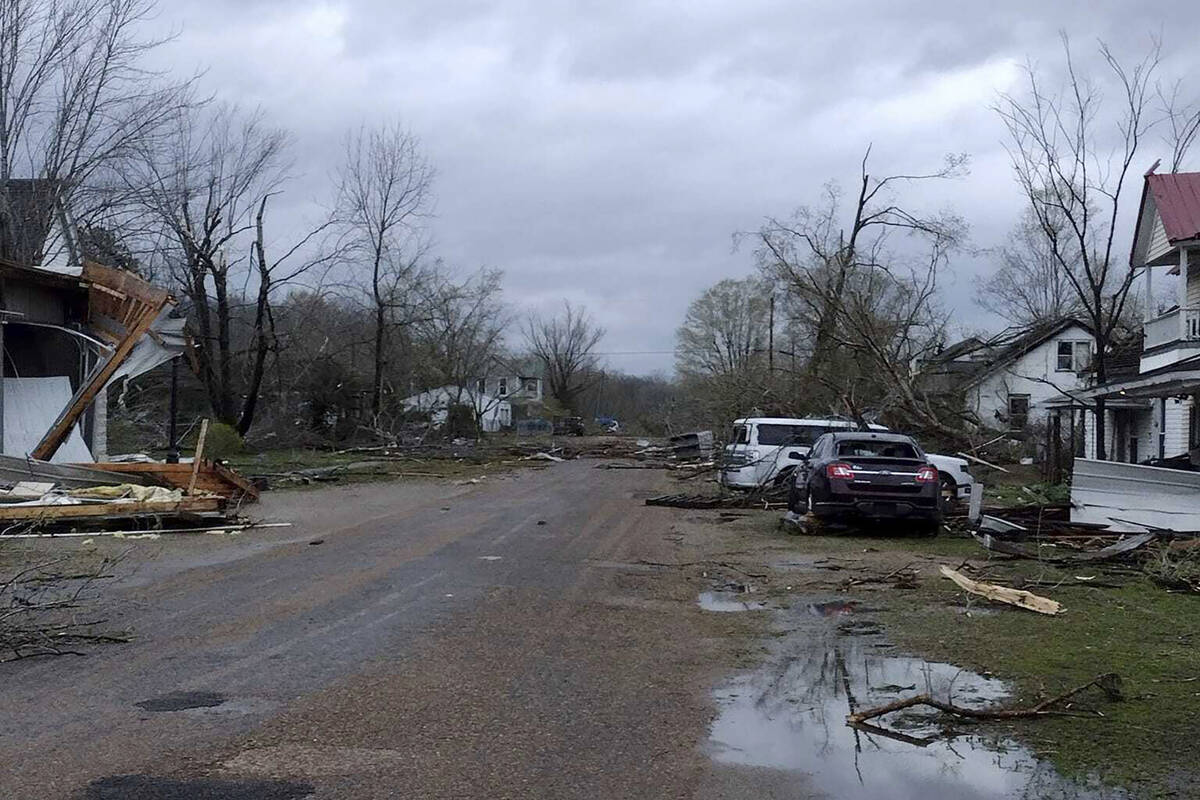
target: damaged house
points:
(70, 328)
(1016, 378)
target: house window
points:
(481, 386)
(531, 385)
(1018, 410)
(502, 387)
(1074, 356)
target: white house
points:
(492, 413)
(1152, 411)
(1017, 377)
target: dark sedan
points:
(868, 475)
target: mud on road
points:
(539, 635)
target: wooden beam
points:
(117, 509)
(198, 458)
(96, 381)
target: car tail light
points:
(840, 470)
(927, 475)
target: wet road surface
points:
(440, 642)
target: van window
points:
(772, 434)
(741, 435)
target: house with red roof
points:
(1152, 411)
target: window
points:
(788, 434)
(875, 449)
(481, 386)
(1074, 356)
(741, 435)
(531, 385)
(502, 387)
(1018, 410)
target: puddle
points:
(789, 715)
(728, 601)
(181, 701)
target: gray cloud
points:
(606, 151)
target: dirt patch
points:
(147, 787)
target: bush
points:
(222, 442)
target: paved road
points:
(441, 641)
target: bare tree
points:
(1030, 283)
(461, 328)
(385, 193)
(76, 97)
(1061, 146)
(872, 312)
(208, 189)
(725, 330)
(565, 345)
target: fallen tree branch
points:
(1004, 594)
(1109, 683)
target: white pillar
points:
(1183, 278)
(1148, 311)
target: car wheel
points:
(949, 492)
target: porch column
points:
(1183, 278)
(1148, 311)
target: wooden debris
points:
(978, 460)
(1004, 594)
(1109, 683)
(199, 457)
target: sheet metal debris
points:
(1134, 499)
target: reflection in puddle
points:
(728, 601)
(790, 715)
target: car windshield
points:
(775, 434)
(875, 449)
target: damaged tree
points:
(871, 312)
(206, 190)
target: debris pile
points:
(45, 496)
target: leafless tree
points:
(872, 311)
(1030, 285)
(208, 188)
(725, 330)
(1073, 178)
(77, 97)
(385, 194)
(460, 329)
(564, 345)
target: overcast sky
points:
(605, 152)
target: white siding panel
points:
(1159, 244)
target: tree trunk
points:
(380, 341)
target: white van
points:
(762, 448)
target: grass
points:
(1141, 631)
(1145, 634)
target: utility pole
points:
(771, 338)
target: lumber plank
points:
(118, 509)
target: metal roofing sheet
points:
(1131, 497)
